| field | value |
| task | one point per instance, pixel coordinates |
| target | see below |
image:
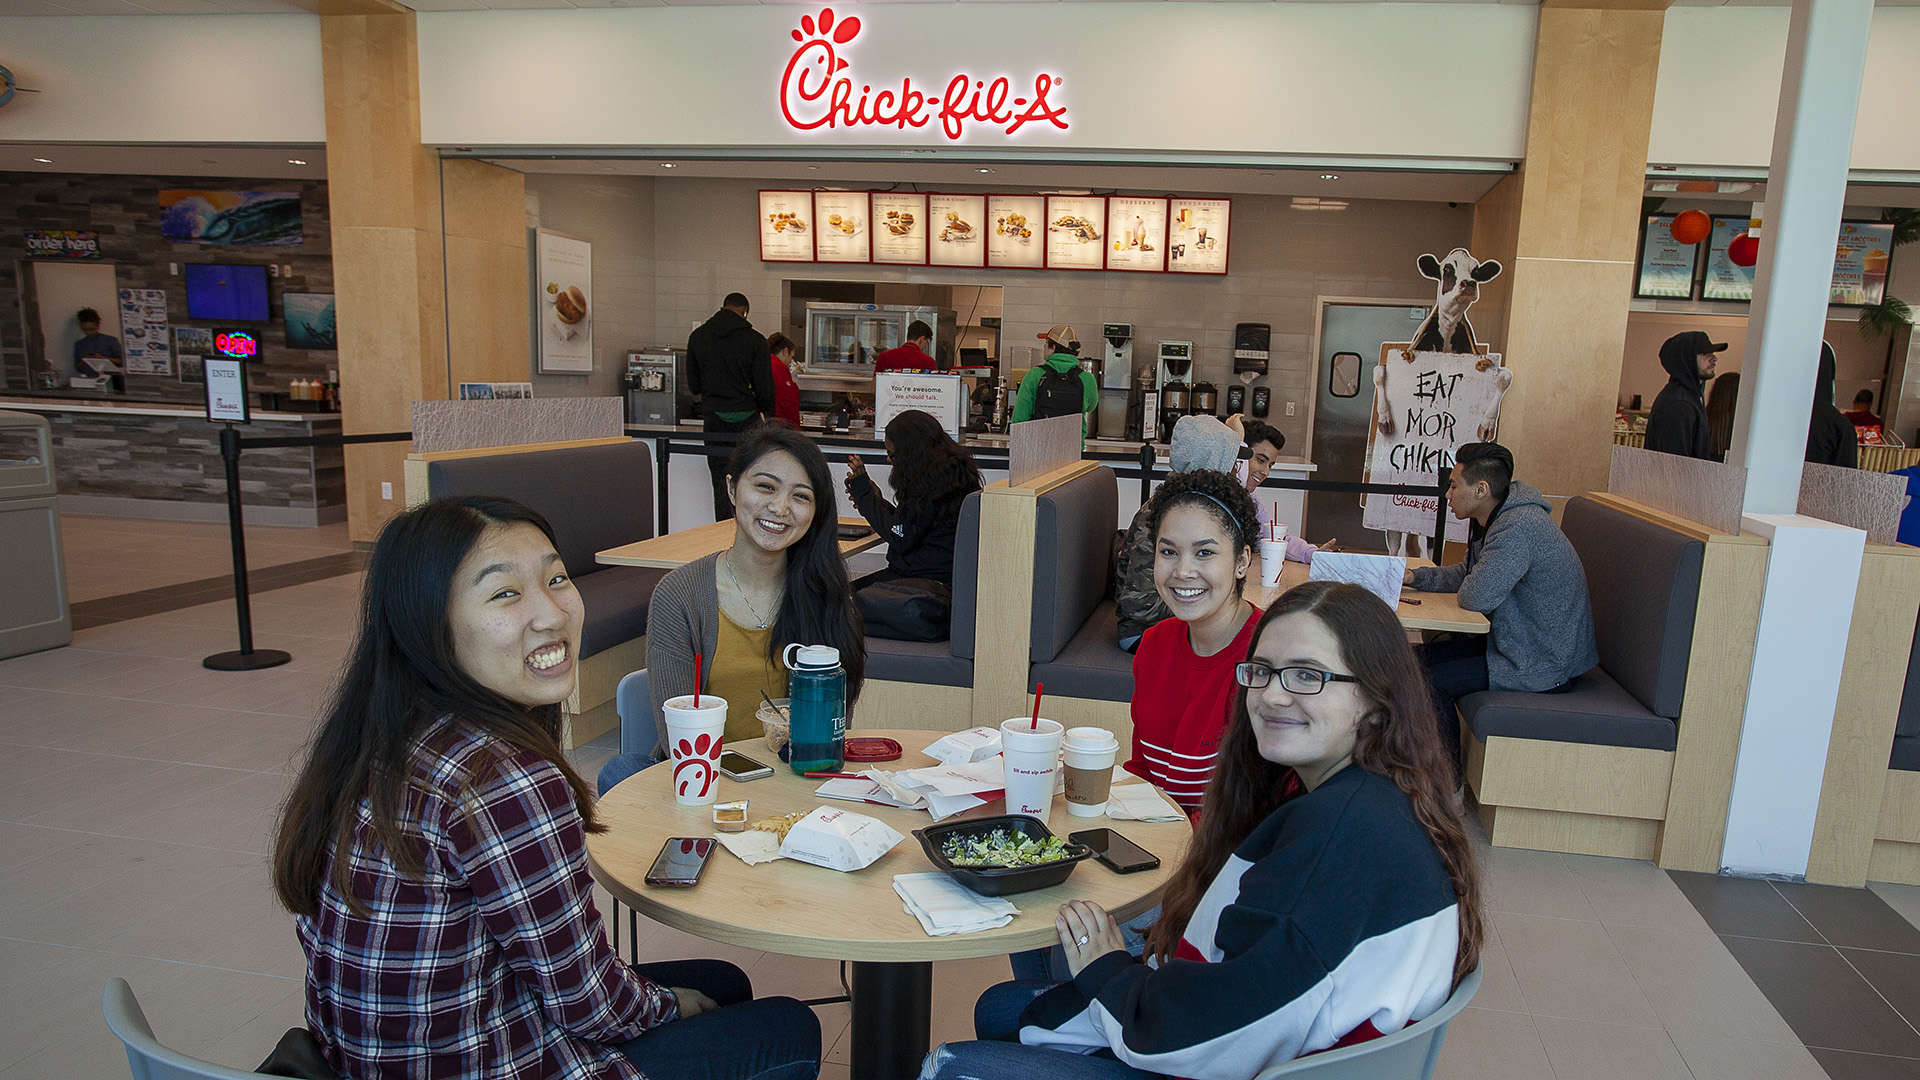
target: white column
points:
(1806, 611)
(1806, 188)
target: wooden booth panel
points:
(1579, 834)
(886, 704)
(1580, 778)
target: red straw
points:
(697, 657)
(1038, 689)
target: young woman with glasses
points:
(1329, 897)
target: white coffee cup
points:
(694, 738)
(1273, 556)
(1031, 756)
(1089, 756)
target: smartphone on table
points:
(737, 766)
(1121, 855)
(680, 862)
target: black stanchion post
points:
(1146, 471)
(662, 450)
(248, 658)
(1440, 515)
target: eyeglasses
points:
(1294, 680)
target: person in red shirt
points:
(786, 392)
(913, 355)
(1202, 525)
(1861, 415)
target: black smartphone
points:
(736, 766)
(1121, 855)
(680, 862)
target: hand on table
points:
(692, 1002)
(1087, 933)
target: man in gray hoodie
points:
(1520, 571)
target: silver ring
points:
(1083, 941)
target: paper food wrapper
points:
(839, 839)
(753, 847)
(965, 747)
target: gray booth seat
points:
(1644, 582)
(1075, 628)
(595, 497)
(1906, 733)
(940, 663)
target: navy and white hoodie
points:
(1333, 923)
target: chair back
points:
(1072, 557)
(642, 731)
(148, 1059)
(966, 577)
(595, 497)
(1407, 1054)
(1643, 580)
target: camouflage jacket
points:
(1138, 603)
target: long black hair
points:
(929, 469)
(400, 678)
(818, 607)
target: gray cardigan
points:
(683, 619)
(1524, 574)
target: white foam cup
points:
(1273, 554)
(694, 738)
(1089, 756)
(1031, 756)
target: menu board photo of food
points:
(1726, 279)
(1197, 235)
(1136, 234)
(1666, 264)
(1016, 233)
(899, 228)
(956, 227)
(786, 226)
(842, 229)
(1076, 225)
(1860, 263)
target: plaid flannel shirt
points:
(493, 964)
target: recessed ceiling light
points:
(1329, 176)
(44, 160)
(813, 168)
(295, 161)
(668, 165)
(983, 170)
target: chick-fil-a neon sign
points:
(817, 92)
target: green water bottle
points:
(818, 708)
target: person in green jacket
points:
(1041, 396)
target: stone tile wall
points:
(177, 459)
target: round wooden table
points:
(797, 909)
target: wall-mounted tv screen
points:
(222, 293)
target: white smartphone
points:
(735, 766)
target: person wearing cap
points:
(1045, 391)
(1678, 423)
(1862, 414)
(913, 355)
(1831, 439)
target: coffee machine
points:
(1175, 398)
(1116, 379)
(652, 385)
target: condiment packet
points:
(839, 839)
(965, 747)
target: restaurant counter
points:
(162, 460)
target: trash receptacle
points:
(33, 577)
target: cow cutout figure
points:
(1446, 330)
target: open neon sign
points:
(236, 343)
(817, 92)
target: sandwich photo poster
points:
(900, 228)
(1075, 225)
(786, 226)
(842, 227)
(957, 222)
(563, 304)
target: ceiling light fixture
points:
(44, 160)
(983, 170)
(668, 165)
(1329, 176)
(295, 161)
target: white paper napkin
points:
(1140, 802)
(964, 747)
(944, 906)
(754, 846)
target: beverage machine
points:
(1116, 379)
(655, 386)
(1175, 398)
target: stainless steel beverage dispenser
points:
(653, 386)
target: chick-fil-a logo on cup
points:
(818, 92)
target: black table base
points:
(892, 1019)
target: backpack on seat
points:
(1059, 393)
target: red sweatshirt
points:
(786, 394)
(1180, 707)
(906, 357)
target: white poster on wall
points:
(899, 228)
(143, 321)
(1018, 238)
(944, 397)
(563, 304)
(1434, 402)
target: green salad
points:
(1003, 847)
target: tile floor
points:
(137, 791)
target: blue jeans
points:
(996, 1021)
(621, 766)
(744, 1039)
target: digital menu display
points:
(899, 228)
(1016, 238)
(1197, 235)
(1136, 234)
(1666, 264)
(1860, 263)
(842, 230)
(1075, 225)
(1725, 279)
(786, 226)
(957, 225)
